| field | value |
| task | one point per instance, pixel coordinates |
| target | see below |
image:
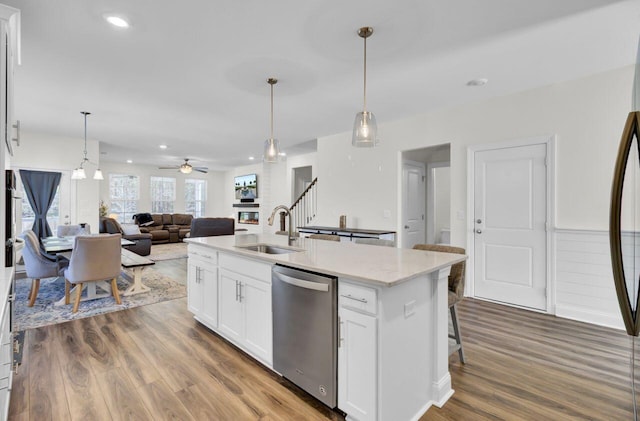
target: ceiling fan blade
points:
(168, 168)
(201, 169)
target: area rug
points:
(44, 312)
(168, 251)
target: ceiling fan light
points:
(271, 150)
(365, 130)
(98, 175)
(186, 168)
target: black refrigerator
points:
(10, 218)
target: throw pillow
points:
(130, 229)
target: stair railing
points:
(304, 209)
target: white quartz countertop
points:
(386, 266)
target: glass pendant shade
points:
(98, 175)
(78, 174)
(271, 150)
(365, 130)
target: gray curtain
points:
(40, 187)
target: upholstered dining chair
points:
(329, 237)
(456, 290)
(375, 242)
(73, 230)
(36, 264)
(93, 259)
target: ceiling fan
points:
(185, 168)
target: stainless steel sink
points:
(269, 249)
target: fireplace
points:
(252, 218)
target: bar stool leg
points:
(456, 332)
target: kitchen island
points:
(392, 312)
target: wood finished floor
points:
(155, 362)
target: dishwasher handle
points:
(317, 286)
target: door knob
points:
(478, 231)
(406, 227)
(479, 221)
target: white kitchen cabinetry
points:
(245, 313)
(357, 365)
(357, 352)
(202, 280)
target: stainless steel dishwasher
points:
(305, 331)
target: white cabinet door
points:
(194, 289)
(209, 283)
(230, 321)
(256, 298)
(357, 365)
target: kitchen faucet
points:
(288, 211)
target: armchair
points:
(206, 227)
(142, 241)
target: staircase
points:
(303, 210)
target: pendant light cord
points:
(633, 377)
(271, 110)
(85, 136)
(364, 108)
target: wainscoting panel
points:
(584, 281)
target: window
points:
(125, 192)
(163, 194)
(195, 197)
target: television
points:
(246, 186)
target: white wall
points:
(58, 153)
(215, 182)
(442, 198)
(586, 115)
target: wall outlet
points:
(409, 309)
(386, 213)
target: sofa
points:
(165, 227)
(141, 242)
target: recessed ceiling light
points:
(251, 158)
(163, 146)
(117, 21)
(478, 82)
(129, 161)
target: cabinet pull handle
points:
(17, 138)
(236, 290)
(240, 291)
(349, 296)
(340, 339)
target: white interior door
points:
(413, 203)
(510, 218)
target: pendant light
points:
(365, 129)
(79, 173)
(271, 145)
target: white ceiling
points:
(192, 74)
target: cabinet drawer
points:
(358, 297)
(204, 253)
(244, 266)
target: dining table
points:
(57, 245)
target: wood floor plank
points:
(84, 396)
(162, 403)
(214, 402)
(47, 396)
(131, 357)
(123, 401)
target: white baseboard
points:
(587, 316)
